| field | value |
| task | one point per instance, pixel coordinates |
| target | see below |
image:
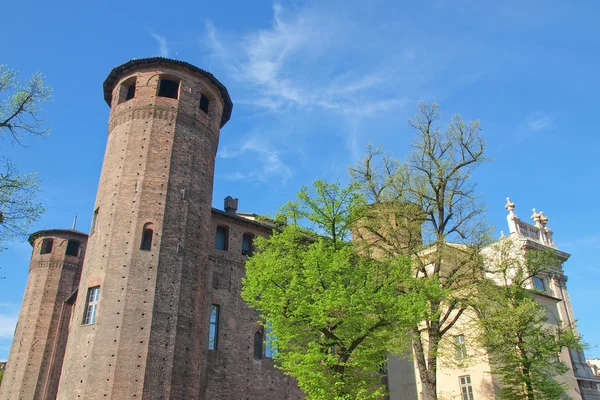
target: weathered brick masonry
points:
(151, 252)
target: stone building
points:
(155, 312)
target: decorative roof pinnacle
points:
(510, 206)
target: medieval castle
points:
(155, 312)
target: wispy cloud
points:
(163, 46)
(534, 123)
(266, 162)
(277, 63)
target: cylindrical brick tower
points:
(35, 359)
(140, 326)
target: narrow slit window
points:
(147, 235)
(204, 103)
(168, 88)
(258, 345)
(47, 246)
(94, 218)
(73, 248)
(221, 238)
(91, 305)
(247, 245)
(213, 331)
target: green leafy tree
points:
(525, 348)
(427, 208)
(19, 119)
(335, 311)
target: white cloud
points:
(283, 66)
(533, 124)
(163, 46)
(266, 162)
(539, 122)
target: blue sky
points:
(312, 83)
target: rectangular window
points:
(270, 347)
(130, 92)
(539, 284)
(466, 390)
(461, 347)
(168, 88)
(213, 330)
(246, 245)
(72, 248)
(204, 103)
(91, 305)
(47, 246)
(221, 238)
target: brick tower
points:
(35, 359)
(140, 326)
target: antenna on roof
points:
(74, 221)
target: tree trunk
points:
(428, 378)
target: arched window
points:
(73, 248)
(168, 87)
(147, 235)
(258, 345)
(127, 90)
(247, 244)
(221, 238)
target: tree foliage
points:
(515, 328)
(335, 310)
(437, 219)
(19, 118)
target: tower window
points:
(91, 305)
(247, 244)
(47, 246)
(466, 389)
(94, 218)
(258, 345)
(73, 248)
(221, 238)
(127, 90)
(147, 235)
(213, 331)
(168, 88)
(461, 347)
(204, 103)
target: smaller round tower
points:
(35, 360)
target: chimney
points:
(231, 204)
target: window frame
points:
(538, 281)
(461, 347)
(466, 388)
(90, 315)
(247, 252)
(71, 242)
(146, 244)
(168, 78)
(45, 248)
(125, 88)
(213, 327)
(225, 231)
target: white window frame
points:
(91, 305)
(466, 388)
(461, 347)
